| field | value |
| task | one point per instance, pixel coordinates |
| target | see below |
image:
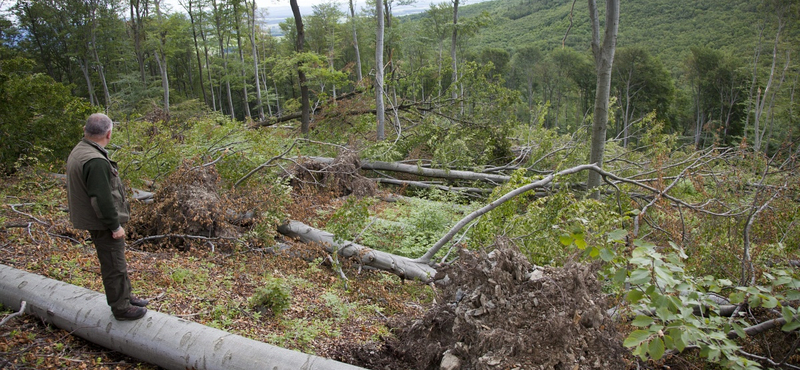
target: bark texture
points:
(400, 266)
(164, 340)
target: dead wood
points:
(398, 265)
(425, 171)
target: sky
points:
(279, 10)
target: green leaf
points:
(793, 295)
(634, 296)
(639, 276)
(636, 337)
(607, 255)
(789, 326)
(617, 235)
(580, 243)
(738, 329)
(656, 349)
(677, 338)
(620, 275)
(770, 302)
(736, 297)
(787, 313)
(642, 321)
(565, 240)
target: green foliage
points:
(542, 226)
(415, 224)
(39, 117)
(349, 220)
(660, 285)
(274, 295)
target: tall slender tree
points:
(603, 60)
(306, 106)
(379, 107)
(252, 23)
(218, 14)
(236, 26)
(188, 6)
(355, 42)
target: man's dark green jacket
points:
(95, 192)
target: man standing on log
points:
(97, 203)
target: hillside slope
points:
(668, 29)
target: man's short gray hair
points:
(97, 125)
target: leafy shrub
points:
(274, 296)
(38, 116)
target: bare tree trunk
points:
(245, 97)
(453, 50)
(85, 69)
(355, 42)
(400, 266)
(604, 59)
(252, 19)
(380, 110)
(218, 20)
(100, 68)
(306, 110)
(196, 49)
(161, 57)
(163, 340)
(208, 69)
(761, 98)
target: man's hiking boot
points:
(132, 313)
(141, 302)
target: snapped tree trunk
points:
(453, 50)
(160, 339)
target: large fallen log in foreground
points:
(401, 266)
(160, 339)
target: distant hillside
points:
(666, 28)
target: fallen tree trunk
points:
(425, 185)
(424, 171)
(400, 266)
(160, 339)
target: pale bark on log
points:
(157, 338)
(399, 265)
(425, 185)
(424, 171)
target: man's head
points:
(98, 128)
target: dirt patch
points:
(341, 177)
(496, 311)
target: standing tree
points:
(453, 50)
(237, 15)
(218, 13)
(306, 109)
(603, 61)
(188, 6)
(355, 42)
(252, 23)
(379, 108)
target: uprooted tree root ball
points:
(495, 311)
(189, 203)
(341, 177)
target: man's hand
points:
(118, 233)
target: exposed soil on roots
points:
(497, 311)
(187, 203)
(341, 177)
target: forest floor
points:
(486, 310)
